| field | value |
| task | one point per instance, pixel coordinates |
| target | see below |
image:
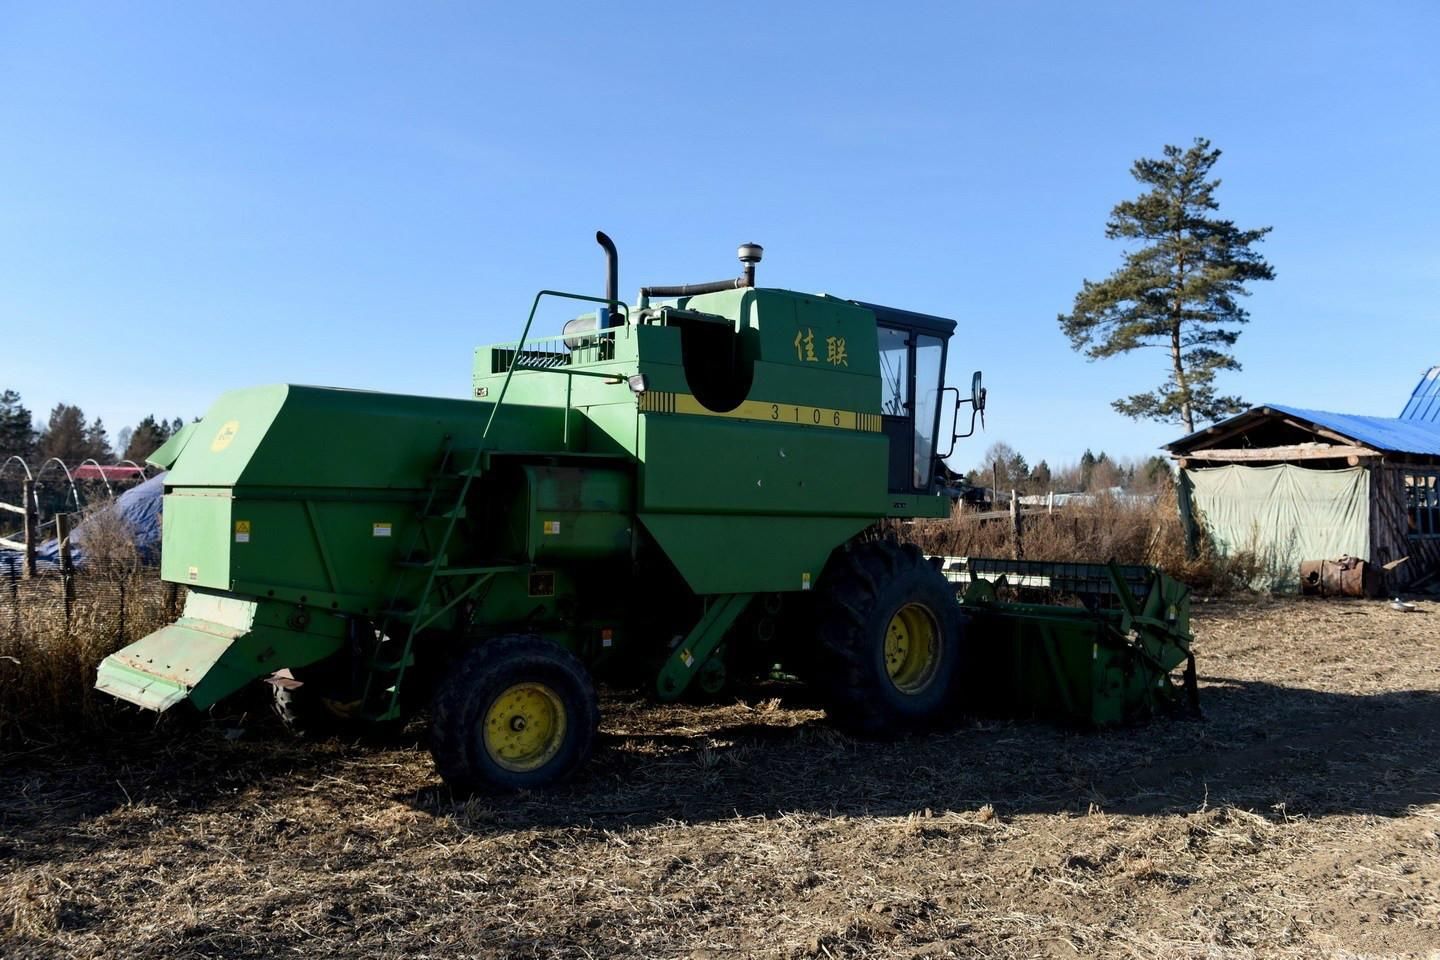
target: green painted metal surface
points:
(219, 644)
(550, 513)
(749, 554)
(693, 652)
(169, 451)
(1105, 662)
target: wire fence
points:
(56, 627)
(100, 598)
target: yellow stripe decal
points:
(791, 414)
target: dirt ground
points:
(1299, 818)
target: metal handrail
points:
(525, 334)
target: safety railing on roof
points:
(549, 360)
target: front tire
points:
(890, 640)
(513, 713)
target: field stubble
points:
(1300, 818)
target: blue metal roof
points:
(1415, 431)
(1386, 434)
(1424, 403)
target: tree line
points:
(69, 436)
(1005, 468)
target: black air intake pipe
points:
(750, 254)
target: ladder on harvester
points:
(426, 556)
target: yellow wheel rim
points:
(341, 709)
(524, 727)
(912, 648)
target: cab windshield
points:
(929, 362)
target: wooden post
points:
(1015, 525)
(1050, 502)
(67, 569)
(32, 525)
(120, 631)
(15, 603)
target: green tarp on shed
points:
(1283, 513)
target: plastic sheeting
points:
(139, 507)
(1284, 513)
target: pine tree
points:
(1178, 290)
(147, 437)
(64, 435)
(1155, 473)
(17, 428)
(1040, 477)
(1087, 468)
(97, 442)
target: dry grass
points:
(1127, 532)
(49, 648)
(1301, 818)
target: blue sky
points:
(201, 196)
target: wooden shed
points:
(1295, 485)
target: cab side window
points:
(894, 372)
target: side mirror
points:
(977, 408)
(954, 422)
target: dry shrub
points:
(51, 646)
(1126, 531)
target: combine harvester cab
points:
(671, 494)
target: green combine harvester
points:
(679, 493)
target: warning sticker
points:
(242, 531)
(194, 574)
(688, 658)
(804, 581)
(381, 529)
(552, 527)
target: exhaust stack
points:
(612, 279)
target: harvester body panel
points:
(738, 432)
(220, 643)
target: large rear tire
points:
(513, 713)
(891, 641)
